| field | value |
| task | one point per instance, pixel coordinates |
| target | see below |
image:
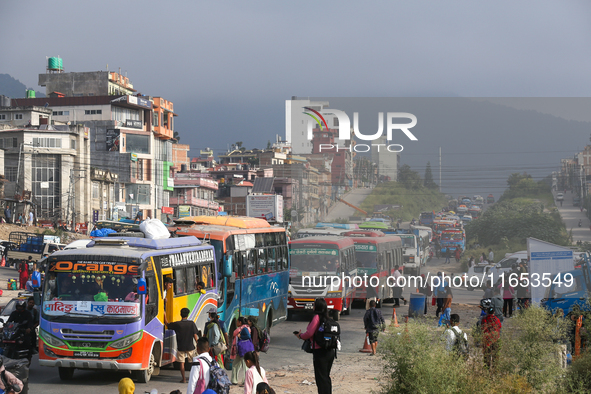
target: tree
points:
(269, 145)
(516, 178)
(410, 179)
(176, 137)
(428, 180)
(238, 145)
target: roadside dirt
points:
(351, 373)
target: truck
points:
(569, 289)
(29, 244)
(412, 255)
(490, 199)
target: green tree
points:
(269, 145)
(409, 178)
(428, 179)
(238, 144)
(516, 178)
(176, 137)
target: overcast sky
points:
(229, 66)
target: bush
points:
(415, 360)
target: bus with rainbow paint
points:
(253, 261)
(103, 306)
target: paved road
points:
(571, 216)
(341, 210)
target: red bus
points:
(376, 257)
(313, 260)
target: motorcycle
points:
(14, 341)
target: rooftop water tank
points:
(55, 64)
(30, 93)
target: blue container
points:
(417, 305)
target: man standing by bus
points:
(186, 331)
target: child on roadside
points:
(255, 373)
(445, 316)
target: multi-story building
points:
(46, 165)
(387, 162)
(131, 135)
(194, 195)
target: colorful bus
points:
(343, 226)
(312, 261)
(376, 256)
(452, 238)
(255, 266)
(426, 218)
(103, 306)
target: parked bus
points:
(92, 319)
(318, 258)
(255, 262)
(319, 232)
(376, 256)
(452, 238)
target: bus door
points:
(170, 345)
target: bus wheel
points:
(336, 315)
(269, 322)
(65, 373)
(144, 375)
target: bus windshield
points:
(315, 260)
(452, 236)
(366, 259)
(92, 289)
(408, 242)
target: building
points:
(180, 157)
(131, 135)
(342, 160)
(46, 165)
(194, 195)
(387, 162)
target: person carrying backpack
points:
(324, 354)
(206, 375)
(238, 365)
(217, 336)
(254, 333)
(255, 373)
(455, 339)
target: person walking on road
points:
(491, 256)
(446, 315)
(186, 331)
(397, 290)
(323, 358)
(201, 360)
(447, 256)
(491, 333)
(426, 290)
(255, 374)
(374, 323)
(238, 365)
(23, 270)
(458, 254)
(508, 294)
(8, 215)
(440, 293)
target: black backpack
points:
(328, 334)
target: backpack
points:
(264, 341)
(461, 345)
(328, 334)
(218, 379)
(244, 346)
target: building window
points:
(95, 190)
(47, 142)
(1, 143)
(99, 111)
(78, 94)
(46, 172)
(72, 144)
(155, 119)
(138, 143)
(10, 173)
(18, 116)
(2, 116)
(91, 94)
(14, 143)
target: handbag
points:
(244, 346)
(433, 301)
(219, 348)
(307, 346)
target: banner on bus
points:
(314, 251)
(56, 308)
(365, 248)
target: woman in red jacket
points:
(323, 358)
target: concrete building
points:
(180, 157)
(387, 162)
(46, 164)
(194, 195)
(93, 83)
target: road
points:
(285, 347)
(571, 215)
(340, 210)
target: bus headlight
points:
(125, 342)
(51, 340)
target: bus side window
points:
(191, 280)
(180, 281)
(251, 262)
(271, 259)
(153, 296)
(262, 261)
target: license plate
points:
(309, 306)
(87, 354)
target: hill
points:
(14, 88)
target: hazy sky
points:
(229, 66)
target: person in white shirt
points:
(454, 333)
(203, 354)
(491, 256)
